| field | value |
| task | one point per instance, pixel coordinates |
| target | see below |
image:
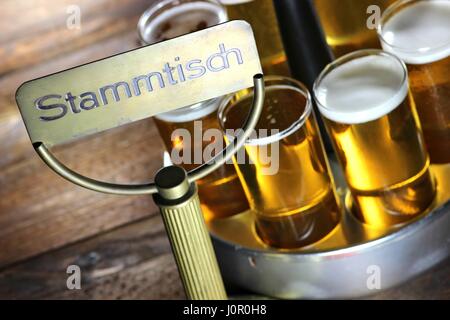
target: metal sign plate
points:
(140, 83)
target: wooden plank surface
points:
(35, 31)
(39, 211)
(46, 223)
(134, 262)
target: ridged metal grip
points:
(188, 235)
(193, 251)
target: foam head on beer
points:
(418, 33)
(371, 120)
(362, 90)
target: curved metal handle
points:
(149, 188)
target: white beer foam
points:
(419, 33)
(362, 90)
(190, 113)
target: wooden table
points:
(46, 223)
(135, 262)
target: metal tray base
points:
(354, 260)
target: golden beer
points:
(221, 194)
(371, 119)
(261, 15)
(345, 23)
(292, 195)
(419, 33)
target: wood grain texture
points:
(33, 31)
(40, 211)
(133, 262)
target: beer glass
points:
(261, 15)
(221, 194)
(283, 168)
(419, 33)
(363, 98)
(350, 25)
(168, 19)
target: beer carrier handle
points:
(175, 192)
(150, 188)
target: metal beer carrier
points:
(341, 264)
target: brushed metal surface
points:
(139, 83)
(150, 187)
(341, 265)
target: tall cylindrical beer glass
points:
(363, 97)
(350, 25)
(418, 32)
(283, 167)
(261, 15)
(221, 194)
